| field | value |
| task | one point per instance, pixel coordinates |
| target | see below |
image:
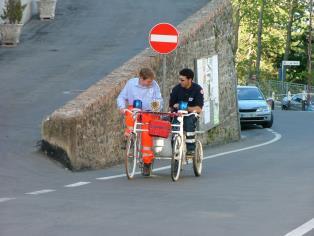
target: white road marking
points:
(275, 139)
(73, 91)
(162, 168)
(41, 192)
(111, 177)
(303, 229)
(163, 38)
(5, 199)
(76, 184)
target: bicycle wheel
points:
(198, 158)
(130, 157)
(176, 159)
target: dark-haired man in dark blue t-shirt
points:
(192, 93)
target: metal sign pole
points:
(282, 90)
(282, 72)
(163, 39)
(164, 73)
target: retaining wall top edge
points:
(195, 22)
(118, 76)
(130, 68)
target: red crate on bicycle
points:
(159, 128)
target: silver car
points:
(253, 107)
(298, 102)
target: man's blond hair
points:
(147, 73)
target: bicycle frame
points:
(178, 155)
(181, 132)
(137, 127)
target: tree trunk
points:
(249, 56)
(259, 39)
(237, 19)
(293, 5)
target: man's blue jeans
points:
(189, 126)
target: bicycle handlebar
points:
(192, 113)
(127, 110)
(174, 114)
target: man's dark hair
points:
(187, 73)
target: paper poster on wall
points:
(207, 77)
(206, 110)
(214, 88)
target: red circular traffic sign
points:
(163, 38)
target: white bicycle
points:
(133, 157)
(179, 150)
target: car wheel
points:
(269, 124)
(283, 107)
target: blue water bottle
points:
(137, 104)
(183, 106)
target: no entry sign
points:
(163, 38)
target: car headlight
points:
(263, 109)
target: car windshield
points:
(249, 94)
(299, 97)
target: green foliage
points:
(13, 11)
(274, 36)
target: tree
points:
(309, 60)
(292, 8)
(259, 38)
(268, 32)
(239, 13)
(245, 32)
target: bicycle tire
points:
(176, 160)
(130, 156)
(198, 159)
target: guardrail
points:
(281, 89)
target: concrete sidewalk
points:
(58, 59)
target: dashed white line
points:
(303, 229)
(111, 177)
(5, 199)
(41, 192)
(73, 91)
(275, 139)
(76, 184)
(162, 168)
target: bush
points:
(13, 11)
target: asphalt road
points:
(58, 59)
(261, 185)
(246, 189)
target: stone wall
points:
(89, 129)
